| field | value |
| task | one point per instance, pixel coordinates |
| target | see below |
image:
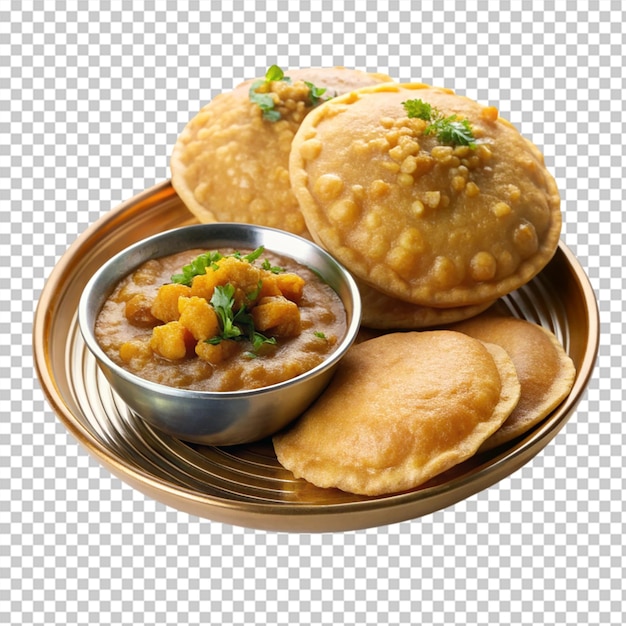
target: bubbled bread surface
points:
(429, 223)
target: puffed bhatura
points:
(231, 164)
(546, 373)
(419, 219)
(402, 408)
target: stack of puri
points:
(434, 233)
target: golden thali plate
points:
(245, 485)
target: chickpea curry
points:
(221, 321)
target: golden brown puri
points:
(546, 373)
(231, 164)
(383, 312)
(402, 408)
(425, 222)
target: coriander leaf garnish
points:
(245, 323)
(258, 340)
(236, 326)
(319, 334)
(316, 93)
(222, 301)
(449, 130)
(275, 269)
(418, 108)
(266, 102)
(453, 131)
(197, 267)
(251, 257)
(275, 73)
(254, 255)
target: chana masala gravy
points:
(244, 323)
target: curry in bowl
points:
(221, 320)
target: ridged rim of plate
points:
(245, 485)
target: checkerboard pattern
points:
(92, 98)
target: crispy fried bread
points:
(418, 218)
(545, 371)
(231, 164)
(402, 408)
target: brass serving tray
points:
(245, 485)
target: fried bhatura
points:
(231, 163)
(545, 371)
(416, 215)
(402, 408)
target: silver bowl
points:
(218, 418)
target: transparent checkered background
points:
(91, 102)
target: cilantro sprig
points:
(222, 302)
(197, 267)
(453, 131)
(316, 93)
(449, 130)
(209, 260)
(250, 257)
(265, 101)
(268, 267)
(235, 325)
(418, 108)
